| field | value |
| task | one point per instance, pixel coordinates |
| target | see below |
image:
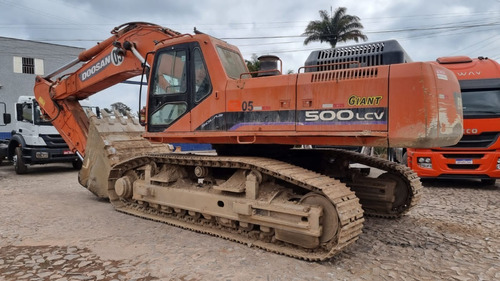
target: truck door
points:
(25, 126)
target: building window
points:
(29, 65)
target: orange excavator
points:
(264, 187)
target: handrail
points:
(260, 71)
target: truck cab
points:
(477, 154)
(34, 140)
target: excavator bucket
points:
(112, 139)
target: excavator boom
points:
(110, 62)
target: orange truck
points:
(477, 154)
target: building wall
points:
(47, 58)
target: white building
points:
(20, 62)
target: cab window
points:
(232, 62)
(27, 112)
(170, 75)
(41, 119)
(202, 81)
(168, 113)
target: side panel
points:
(261, 104)
(426, 109)
(354, 100)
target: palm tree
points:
(339, 27)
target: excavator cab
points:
(180, 81)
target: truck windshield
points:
(39, 117)
(481, 103)
(232, 62)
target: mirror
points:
(19, 112)
(6, 118)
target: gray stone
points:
(54, 257)
(44, 274)
(59, 262)
(71, 257)
(84, 263)
(20, 257)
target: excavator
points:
(263, 187)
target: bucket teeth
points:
(90, 113)
(112, 139)
(121, 118)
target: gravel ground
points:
(53, 229)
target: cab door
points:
(169, 104)
(25, 125)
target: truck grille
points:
(483, 140)
(463, 167)
(54, 141)
(467, 156)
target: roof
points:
(39, 42)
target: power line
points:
(412, 29)
(486, 21)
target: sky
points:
(426, 29)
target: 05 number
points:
(247, 105)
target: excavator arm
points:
(116, 59)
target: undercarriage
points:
(303, 203)
(256, 201)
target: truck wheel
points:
(19, 165)
(77, 165)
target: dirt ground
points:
(51, 228)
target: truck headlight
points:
(42, 155)
(424, 162)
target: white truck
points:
(34, 140)
(4, 143)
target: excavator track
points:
(350, 214)
(131, 178)
(407, 191)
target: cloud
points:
(426, 29)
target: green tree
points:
(253, 65)
(121, 107)
(339, 27)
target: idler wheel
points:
(329, 219)
(123, 187)
(201, 172)
(401, 192)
